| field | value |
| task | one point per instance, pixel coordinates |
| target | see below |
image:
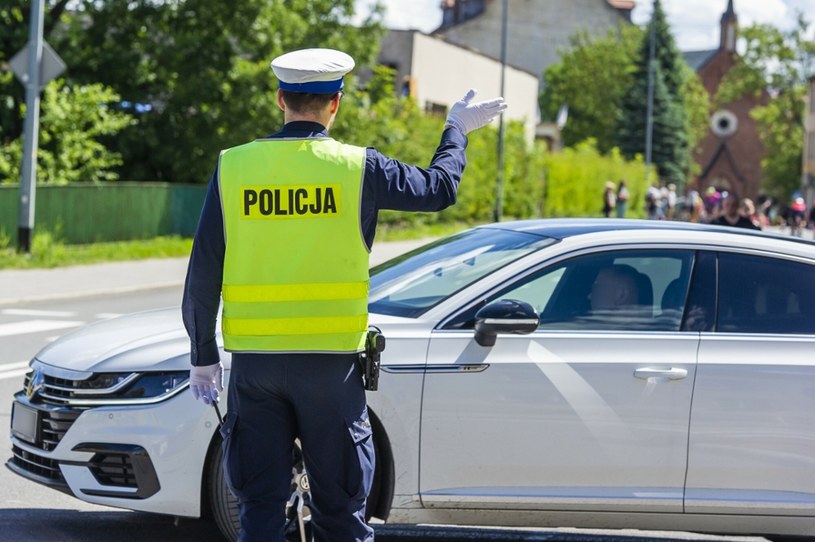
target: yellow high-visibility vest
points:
(296, 265)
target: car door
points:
(752, 434)
(589, 412)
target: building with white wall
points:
(437, 74)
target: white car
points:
(507, 395)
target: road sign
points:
(51, 65)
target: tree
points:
(14, 30)
(195, 73)
(671, 135)
(777, 62)
(75, 121)
(591, 79)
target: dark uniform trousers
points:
(274, 398)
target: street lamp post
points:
(649, 119)
(28, 171)
(499, 189)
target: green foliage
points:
(781, 129)
(74, 124)
(11, 157)
(14, 29)
(697, 106)
(576, 178)
(591, 78)
(203, 67)
(672, 131)
(779, 62)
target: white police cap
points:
(313, 71)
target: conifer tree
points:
(670, 137)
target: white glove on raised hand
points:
(468, 116)
(206, 382)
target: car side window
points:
(626, 290)
(765, 295)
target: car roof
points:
(561, 228)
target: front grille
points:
(54, 422)
(113, 470)
(41, 467)
(61, 391)
(54, 425)
(103, 388)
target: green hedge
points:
(576, 178)
(537, 183)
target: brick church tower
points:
(729, 156)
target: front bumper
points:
(142, 457)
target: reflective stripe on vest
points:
(296, 265)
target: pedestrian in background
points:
(284, 236)
(609, 199)
(670, 202)
(622, 199)
(732, 216)
(748, 209)
(652, 202)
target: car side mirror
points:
(504, 316)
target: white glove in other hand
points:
(468, 116)
(206, 382)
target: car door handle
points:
(674, 373)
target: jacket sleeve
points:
(403, 187)
(202, 288)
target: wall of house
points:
(537, 29)
(442, 73)
(396, 51)
(739, 169)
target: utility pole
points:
(649, 122)
(499, 192)
(28, 172)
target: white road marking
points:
(44, 314)
(106, 315)
(13, 370)
(36, 326)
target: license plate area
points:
(25, 423)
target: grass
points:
(48, 252)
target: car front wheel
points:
(224, 505)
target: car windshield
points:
(411, 284)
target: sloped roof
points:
(622, 4)
(697, 59)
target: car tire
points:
(224, 505)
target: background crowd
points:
(713, 206)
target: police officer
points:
(284, 236)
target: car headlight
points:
(105, 388)
(155, 384)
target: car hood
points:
(152, 340)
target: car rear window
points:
(765, 295)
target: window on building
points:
(432, 108)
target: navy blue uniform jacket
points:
(386, 184)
